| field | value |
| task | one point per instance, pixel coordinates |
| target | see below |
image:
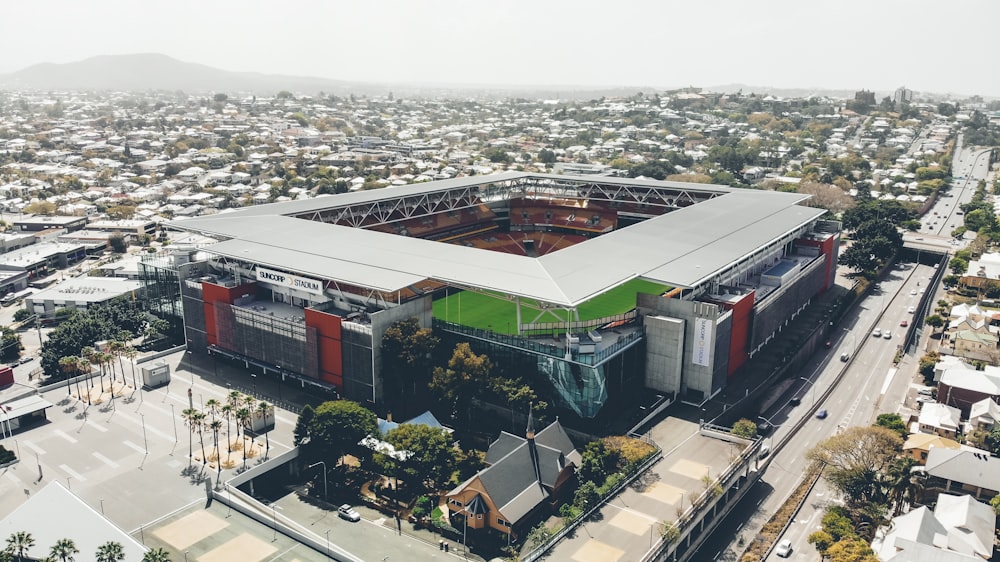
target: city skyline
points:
(875, 46)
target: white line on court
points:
(71, 472)
(14, 479)
(134, 447)
(33, 447)
(105, 459)
(63, 434)
(97, 426)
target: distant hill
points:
(789, 92)
(149, 71)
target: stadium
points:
(592, 288)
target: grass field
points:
(483, 311)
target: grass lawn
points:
(483, 311)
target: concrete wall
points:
(698, 382)
(422, 309)
(664, 353)
(774, 312)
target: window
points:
(480, 516)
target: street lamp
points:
(325, 495)
(142, 418)
(812, 388)
(328, 543)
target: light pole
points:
(812, 388)
(142, 418)
(274, 516)
(174, 418)
(253, 385)
(324, 476)
(328, 543)
(853, 342)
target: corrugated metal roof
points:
(683, 248)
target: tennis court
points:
(484, 311)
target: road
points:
(868, 383)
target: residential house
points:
(966, 470)
(959, 529)
(918, 445)
(523, 476)
(961, 388)
(983, 415)
(939, 419)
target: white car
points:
(877, 333)
(348, 513)
(784, 548)
(911, 310)
(926, 391)
(887, 335)
(913, 293)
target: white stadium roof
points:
(682, 248)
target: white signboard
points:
(291, 281)
(702, 355)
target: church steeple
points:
(529, 434)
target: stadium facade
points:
(306, 289)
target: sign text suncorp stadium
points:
(291, 281)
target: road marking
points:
(149, 427)
(62, 434)
(97, 426)
(135, 447)
(105, 459)
(888, 379)
(71, 472)
(14, 479)
(33, 447)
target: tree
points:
(934, 321)
(301, 433)
(21, 314)
(117, 243)
(10, 342)
(893, 422)
(406, 355)
(156, 555)
(65, 550)
(669, 532)
(995, 503)
(110, 551)
(20, 542)
(851, 550)
(744, 428)
(263, 411)
(338, 426)
(431, 458)
(41, 208)
(467, 374)
(855, 463)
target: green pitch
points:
(478, 310)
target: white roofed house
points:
(939, 419)
(983, 415)
(959, 529)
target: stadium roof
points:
(683, 248)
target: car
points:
(828, 344)
(926, 391)
(764, 428)
(926, 400)
(904, 324)
(348, 513)
(911, 310)
(877, 333)
(845, 356)
(784, 548)
(821, 414)
(26, 359)
(765, 449)
(887, 335)
(913, 292)
(795, 401)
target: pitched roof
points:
(927, 441)
(940, 415)
(970, 524)
(511, 481)
(986, 410)
(979, 381)
(968, 466)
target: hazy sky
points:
(926, 45)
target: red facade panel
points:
(211, 294)
(331, 366)
(739, 341)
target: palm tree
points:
(199, 424)
(64, 549)
(189, 420)
(212, 406)
(108, 361)
(131, 353)
(87, 354)
(118, 349)
(68, 365)
(242, 418)
(264, 410)
(110, 551)
(227, 412)
(215, 425)
(156, 555)
(20, 542)
(83, 366)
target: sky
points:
(925, 45)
